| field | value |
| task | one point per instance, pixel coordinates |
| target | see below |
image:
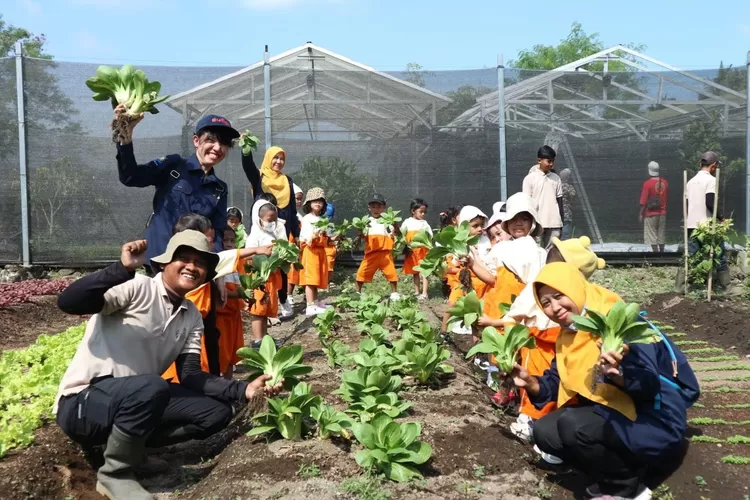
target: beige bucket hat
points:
(191, 239)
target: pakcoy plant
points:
(282, 364)
(622, 325)
(391, 447)
(337, 353)
(331, 422)
(455, 241)
(287, 416)
(422, 334)
(389, 403)
(325, 323)
(248, 142)
(425, 362)
(258, 270)
(409, 318)
(367, 318)
(468, 309)
(504, 346)
(367, 381)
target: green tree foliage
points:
(576, 45)
(463, 98)
(733, 78)
(348, 189)
(415, 74)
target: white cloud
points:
(30, 6)
(282, 4)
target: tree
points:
(733, 78)
(575, 46)
(346, 188)
(415, 74)
(463, 98)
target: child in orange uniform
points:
(379, 243)
(229, 317)
(449, 217)
(266, 228)
(314, 272)
(477, 220)
(410, 228)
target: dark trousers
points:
(283, 290)
(584, 439)
(141, 405)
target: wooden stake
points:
(685, 231)
(713, 222)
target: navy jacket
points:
(181, 188)
(661, 422)
(287, 213)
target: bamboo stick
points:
(713, 222)
(685, 230)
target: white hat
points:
(468, 213)
(297, 190)
(497, 216)
(498, 206)
(518, 203)
(653, 169)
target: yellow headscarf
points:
(576, 352)
(273, 182)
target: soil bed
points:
(21, 324)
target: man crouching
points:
(112, 393)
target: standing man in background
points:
(701, 196)
(545, 187)
(653, 214)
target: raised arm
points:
(88, 295)
(252, 173)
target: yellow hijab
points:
(273, 182)
(576, 352)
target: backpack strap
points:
(664, 340)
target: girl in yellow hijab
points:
(629, 422)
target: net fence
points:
(355, 131)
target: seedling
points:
(478, 471)
(308, 470)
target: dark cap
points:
(709, 158)
(216, 121)
(377, 198)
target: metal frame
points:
(311, 85)
(23, 167)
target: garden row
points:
(22, 291)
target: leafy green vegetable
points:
(425, 362)
(248, 142)
(258, 270)
(622, 325)
(504, 346)
(127, 86)
(421, 240)
(422, 334)
(361, 224)
(372, 381)
(345, 301)
(281, 364)
(287, 416)
(369, 317)
(331, 422)
(377, 333)
(450, 240)
(390, 217)
(323, 224)
(391, 448)
(468, 309)
(409, 318)
(369, 406)
(337, 353)
(325, 323)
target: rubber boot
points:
(725, 278)
(169, 436)
(115, 479)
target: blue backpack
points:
(674, 369)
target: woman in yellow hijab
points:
(270, 180)
(618, 428)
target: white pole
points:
(23, 170)
(267, 95)
(501, 127)
(747, 152)
(713, 224)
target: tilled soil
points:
(20, 325)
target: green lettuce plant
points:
(282, 364)
(287, 416)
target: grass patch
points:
(636, 283)
(725, 368)
(705, 439)
(714, 359)
(704, 350)
(736, 460)
(699, 405)
(367, 487)
(674, 335)
(725, 389)
(715, 421)
(666, 328)
(680, 343)
(738, 440)
(308, 470)
(737, 406)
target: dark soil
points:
(23, 323)
(722, 322)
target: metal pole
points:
(501, 127)
(26, 253)
(747, 152)
(267, 95)
(713, 224)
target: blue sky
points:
(385, 34)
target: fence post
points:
(747, 152)
(501, 127)
(26, 253)
(267, 95)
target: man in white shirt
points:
(545, 187)
(701, 196)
